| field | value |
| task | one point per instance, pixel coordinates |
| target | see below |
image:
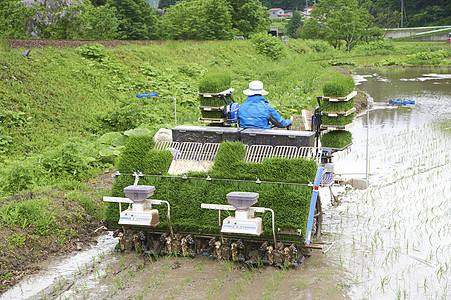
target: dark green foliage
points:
(337, 106)
(137, 20)
(268, 45)
(294, 24)
(68, 160)
(290, 202)
(32, 212)
(93, 51)
(338, 86)
(336, 139)
(215, 83)
(337, 121)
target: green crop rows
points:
(290, 202)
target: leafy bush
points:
(20, 175)
(192, 70)
(215, 83)
(268, 45)
(341, 62)
(338, 86)
(318, 45)
(376, 47)
(336, 139)
(13, 119)
(391, 61)
(69, 160)
(5, 141)
(94, 51)
(430, 55)
(32, 212)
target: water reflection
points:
(391, 237)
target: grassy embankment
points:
(65, 118)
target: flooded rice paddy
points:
(392, 241)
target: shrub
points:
(377, 47)
(19, 176)
(69, 160)
(318, 45)
(341, 62)
(336, 139)
(268, 45)
(338, 86)
(215, 83)
(29, 212)
(391, 61)
(94, 51)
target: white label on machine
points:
(251, 226)
(138, 218)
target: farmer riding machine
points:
(249, 195)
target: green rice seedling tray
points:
(337, 127)
(212, 120)
(326, 105)
(212, 102)
(220, 94)
(338, 113)
(212, 114)
(338, 120)
(343, 99)
(336, 140)
(284, 187)
(211, 108)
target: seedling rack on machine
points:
(244, 235)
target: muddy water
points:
(390, 241)
(395, 238)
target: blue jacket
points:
(256, 112)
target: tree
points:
(248, 16)
(294, 24)
(312, 29)
(342, 20)
(51, 19)
(13, 16)
(100, 23)
(198, 20)
(137, 20)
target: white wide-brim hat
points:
(255, 88)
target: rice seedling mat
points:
(337, 113)
(343, 99)
(212, 120)
(221, 94)
(338, 127)
(336, 149)
(211, 108)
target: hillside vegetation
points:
(66, 115)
